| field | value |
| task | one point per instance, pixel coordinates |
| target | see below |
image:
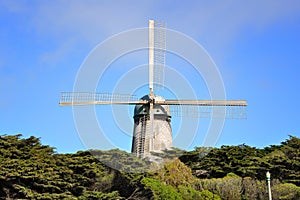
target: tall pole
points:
(269, 184)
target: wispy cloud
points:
(93, 18)
(220, 23)
(216, 23)
(14, 6)
(89, 20)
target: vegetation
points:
(30, 170)
(283, 161)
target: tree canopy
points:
(31, 170)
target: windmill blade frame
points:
(159, 59)
(157, 55)
(219, 112)
(97, 98)
(203, 102)
(229, 109)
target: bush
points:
(188, 193)
(286, 191)
(207, 195)
(160, 190)
(227, 188)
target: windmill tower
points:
(152, 128)
(152, 115)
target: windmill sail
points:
(230, 109)
(204, 102)
(94, 98)
(159, 54)
(193, 111)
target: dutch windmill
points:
(152, 115)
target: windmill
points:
(152, 113)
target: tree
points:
(286, 191)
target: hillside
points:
(30, 170)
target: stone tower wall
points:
(162, 135)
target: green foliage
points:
(30, 170)
(173, 181)
(207, 195)
(189, 193)
(175, 173)
(227, 188)
(254, 189)
(122, 160)
(218, 162)
(160, 190)
(286, 191)
(99, 195)
(283, 161)
(169, 154)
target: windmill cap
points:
(143, 109)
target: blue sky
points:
(255, 44)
